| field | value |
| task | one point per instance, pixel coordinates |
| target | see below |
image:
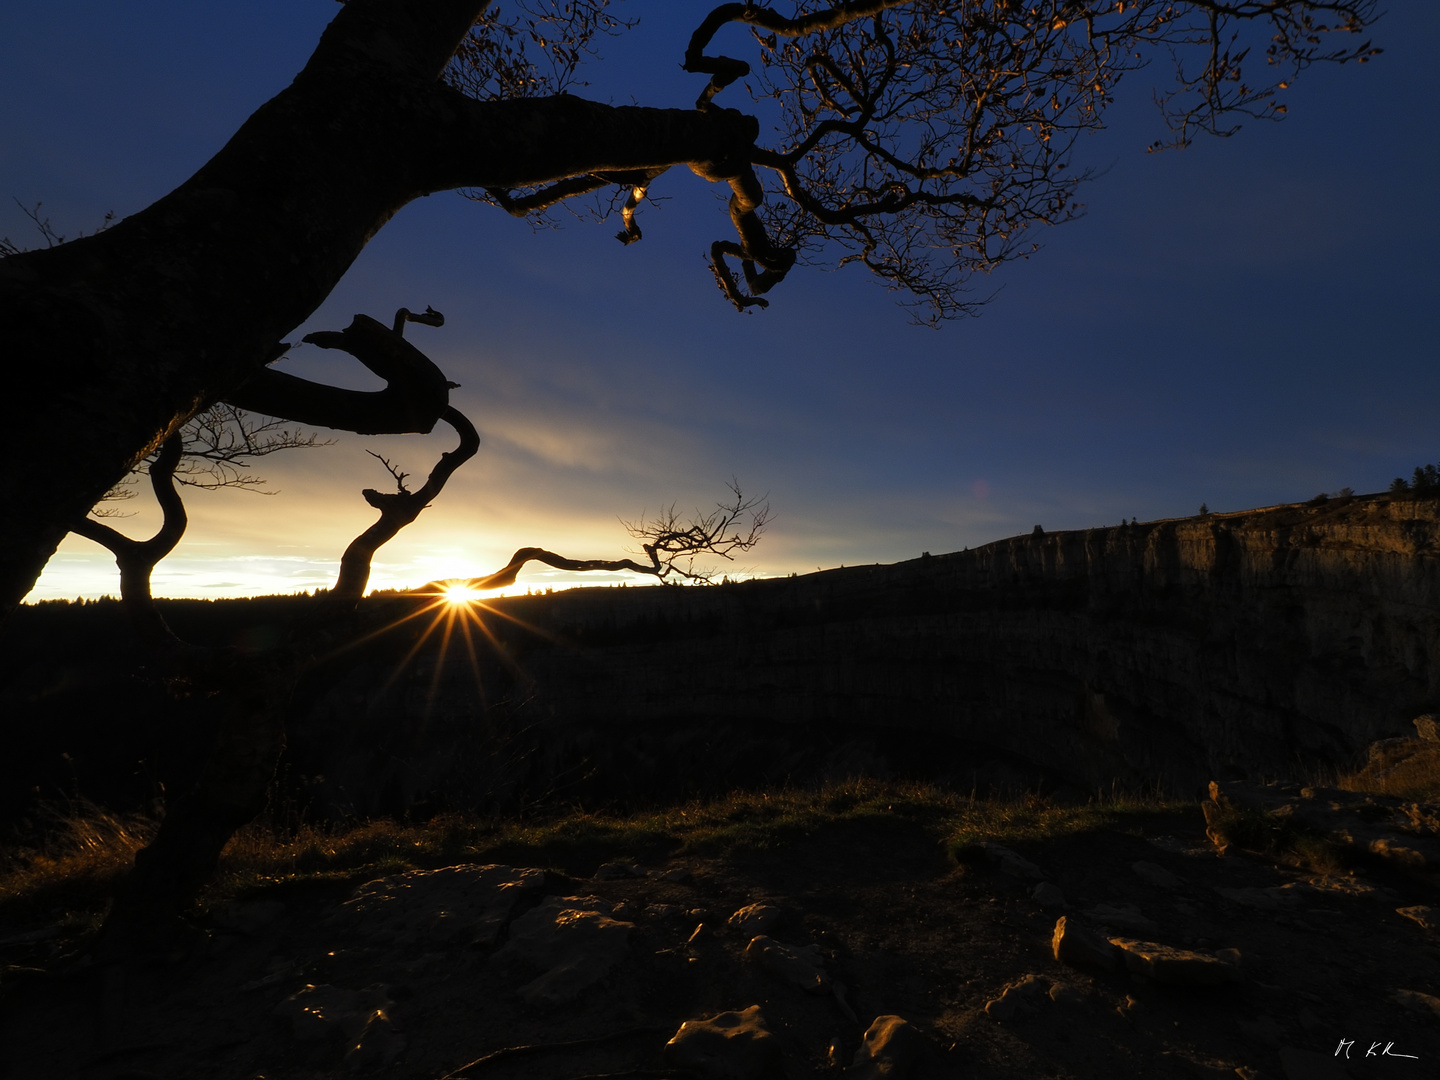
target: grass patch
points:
(87, 848)
(1029, 820)
(77, 854)
(1410, 770)
(1279, 837)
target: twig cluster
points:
(922, 139)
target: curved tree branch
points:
(666, 541)
(398, 509)
(416, 391)
(137, 558)
(724, 70)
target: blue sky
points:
(1243, 323)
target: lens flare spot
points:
(458, 593)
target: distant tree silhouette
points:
(667, 541)
(918, 139)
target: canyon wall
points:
(1170, 653)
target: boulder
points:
(802, 966)
(728, 1046)
(1066, 994)
(754, 919)
(1076, 946)
(1016, 996)
(890, 1051)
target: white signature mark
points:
(1347, 1044)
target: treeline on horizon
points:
(1425, 480)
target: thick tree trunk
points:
(118, 338)
(248, 719)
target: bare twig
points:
(670, 544)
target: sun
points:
(459, 594)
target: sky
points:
(1247, 322)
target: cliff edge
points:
(1173, 652)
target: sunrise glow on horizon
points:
(1226, 325)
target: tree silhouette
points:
(246, 694)
(213, 450)
(670, 544)
(916, 138)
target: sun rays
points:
(445, 615)
(459, 594)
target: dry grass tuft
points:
(1407, 770)
(86, 848)
(81, 851)
(1252, 829)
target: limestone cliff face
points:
(1175, 651)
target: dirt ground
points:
(901, 927)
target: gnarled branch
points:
(400, 508)
(666, 540)
(416, 391)
(137, 558)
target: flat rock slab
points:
(459, 905)
(802, 966)
(1178, 967)
(571, 940)
(1427, 917)
(727, 1046)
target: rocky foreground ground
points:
(863, 950)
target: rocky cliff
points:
(1175, 652)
